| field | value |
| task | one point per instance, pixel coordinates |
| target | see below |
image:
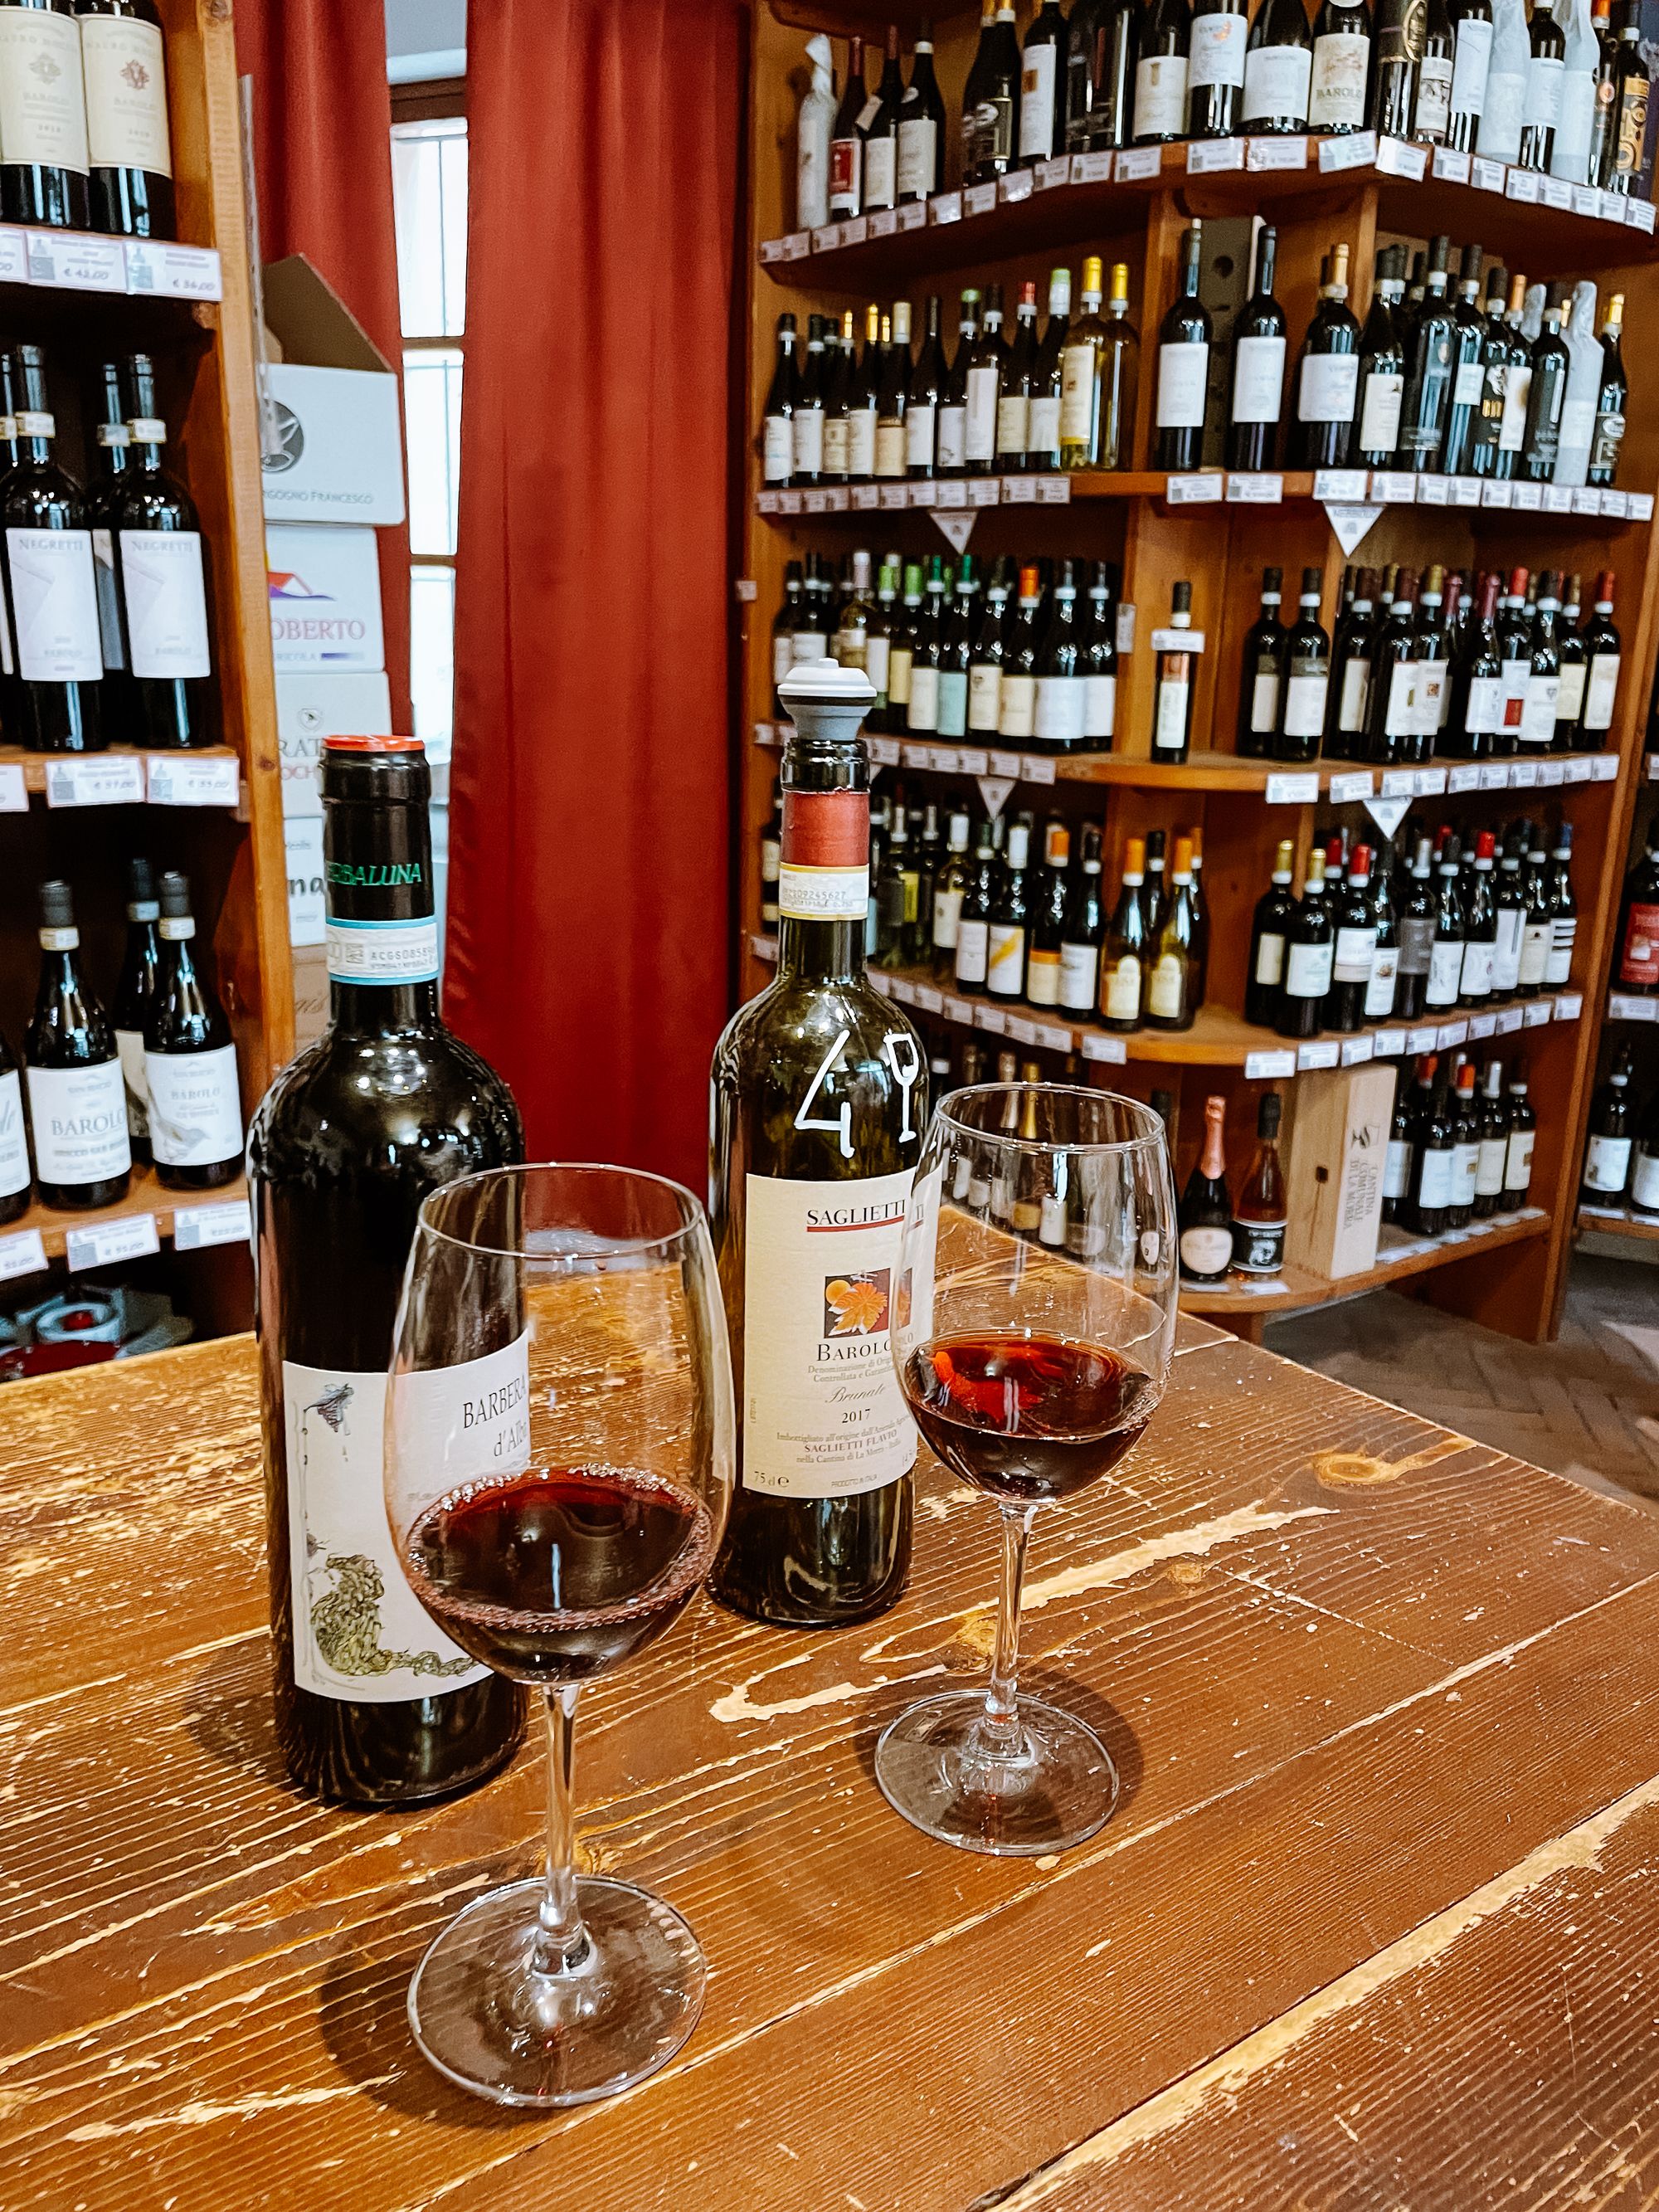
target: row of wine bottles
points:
(1516, 386)
(84, 143)
(105, 631)
(1621, 1143)
(154, 1077)
(1636, 949)
(1565, 92)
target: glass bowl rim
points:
(1153, 1138)
(696, 1221)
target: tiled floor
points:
(1587, 1406)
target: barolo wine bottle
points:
(1275, 910)
(129, 152)
(1183, 365)
(194, 1106)
(1258, 386)
(78, 1100)
(373, 1704)
(818, 1110)
(163, 591)
(51, 654)
(134, 995)
(43, 115)
(1278, 70)
(1341, 67)
(1327, 374)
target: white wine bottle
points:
(819, 1108)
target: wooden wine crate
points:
(1336, 1164)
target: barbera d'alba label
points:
(195, 1107)
(42, 110)
(166, 605)
(824, 873)
(823, 1415)
(383, 951)
(126, 95)
(360, 1632)
(54, 596)
(79, 1117)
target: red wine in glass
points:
(554, 1575)
(1025, 1419)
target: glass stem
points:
(560, 1940)
(1001, 1696)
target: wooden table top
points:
(1366, 1931)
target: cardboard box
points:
(325, 585)
(333, 438)
(1339, 1150)
(303, 835)
(315, 705)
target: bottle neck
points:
(382, 930)
(823, 873)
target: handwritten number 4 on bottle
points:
(905, 1073)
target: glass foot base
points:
(1051, 1787)
(485, 2018)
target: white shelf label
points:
(1552, 773)
(899, 988)
(1450, 1033)
(1207, 156)
(90, 265)
(1322, 1052)
(1639, 215)
(1052, 174)
(980, 199)
(866, 497)
(1537, 1013)
(1137, 164)
(1465, 490)
(1494, 775)
(1529, 498)
(1021, 1031)
(1091, 168)
(1604, 767)
(1008, 764)
(771, 249)
(1399, 783)
(796, 246)
(1509, 1020)
(763, 948)
(1177, 640)
(984, 491)
(1631, 1007)
(1340, 483)
(1557, 193)
(1640, 505)
(1255, 489)
(1014, 185)
(1351, 785)
(1394, 487)
(1586, 499)
(105, 1241)
(1052, 491)
(13, 788)
(196, 1227)
(766, 503)
(1036, 768)
(1425, 1038)
(1196, 491)
(883, 751)
(1586, 200)
(1521, 185)
(1433, 491)
(1429, 782)
(1111, 1050)
(1357, 1050)
(878, 982)
(1484, 175)
(1356, 152)
(1465, 776)
(1396, 158)
(95, 780)
(789, 501)
(1557, 499)
(855, 230)
(1451, 167)
(1569, 1005)
(1019, 491)
(930, 1000)
(990, 1019)
(974, 762)
(1287, 152)
(924, 493)
(1577, 771)
(14, 257)
(22, 1253)
(834, 499)
(884, 222)
(1269, 1066)
(1293, 790)
(179, 780)
(192, 272)
(912, 215)
(1523, 775)
(1496, 495)
(1388, 1044)
(1615, 505)
(1056, 1039)
(959, 1009)
(945, 207)
(1481, 1025)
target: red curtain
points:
(322, 155)
(588, 943)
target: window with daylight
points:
(429, 181)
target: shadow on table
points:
(228, 1711)
(365, 2029)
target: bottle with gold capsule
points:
(1099, 370)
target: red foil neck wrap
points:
(826, 828)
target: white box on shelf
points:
(302, 836)
(335, 448)
(315, 704)
(325, 585)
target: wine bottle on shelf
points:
(15, 1178)
(1354, 949)
(1476, 715)
(1392, 708)
(1543, 691)
(1546, 392)
(385, 1106)
(106, 500)
(1494, 1142)
(1048, 916)
(1435, 1149)
(1382, 366)
(1262, 1211)
(1160, 109)
(1184, 364)
(1477, 981)
(1200, 906)
(1019, 377)
(986, 659)
(1398, 1160)
(1397, 33)
(1083, 930)
(771, 847)
(1154, 897)
(43, 156)
(1538, 926)
(973, 916)
(1173, 993)
(1564, 913)
(1204, 1217)
(1612, 398)
(777, 431)
(53, 694)
(1643, 1169)
(1258, 378)
(808, 463)
(1523, 1129)
(990, 99)
(1017, 713)
(1126, 947)
(1518, 386)
(1602, 656)
(950, 886)
(1341, 67)
(1042, 434)
(1008, 936)
(190, 1062)
(134, 994)
(1278, 70)
(1611, 1131)
(1432, 652)
(926, 641)
(880, 124)
(1631, 92)
(982, 389)
(921, 126)
(1511, 905)
(1380, 990)
(1100, 103)
(923, 399)
(1471, 22)
(1466, 1146)
(1173, 684)
(1429, 361)
(1098, 662)
(1546, 72)
(1310, 954)
(897, 891)
(1417, 928)
(1057, 721)
(1304, 694)
(1042, 86)
(1261, 678)
(1348, 701)
(951, 436)
(1269, 933)
(1468, 369)
(163, 587)
(1495, 372)
(77, 1096)
(1215, 68)
(847, 139)
(1432, 102)
(1514, 651)
(841, 363)
(1327, 374)
(1446, 954)
(812, 636)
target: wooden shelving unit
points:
(1219, 536)
(217, 812)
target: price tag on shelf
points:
(796, 246)
(1019, 491)
(980, 199)
(1523, 775)
(22, 1253)
(789, 501)
(1049, 175)
(1481, 1025)
(1357, 1050)
(1394, 487)
(1351, 785)
(1424, 1039)
(1021, 1031)
(764, 948)
(771, 249)
(1322, 1052)
(1465, 490)
(1604, 767)
(1052, 491)
(1036, 768)
(1639, 215)
(946, 760)
(984, 491)
(1569, 1005)
(1091, 168)
(1586, 200)
(196, 1227)
(945, 207)
(1340, 483)
(924, 493)
(1509, 1020)
(1399, 783)
(959, 1010)
(1615, 505)
(1494, 775)
(1293, 790)
(13, 788)
(766, 503)
(104, 1243)
(1206, 156)
(89, 264)
(1053, 1038)
(930, 1000)
(1429, 782)
(1451, 167)
(855, 230)
(1528, 497)
(40, 249)
(1486, 176)
(916, 755)
(883, 751)
(1269, 1066)
(1556, 192)
(1521, 185)
(1137, 165)
(1450, 1033)
(1433, 491)
(1557, 499)
(1576, 770)
(866, 497)
(1357, 151)
(1604, 1212)
(1007, 764)
(1613, 207)
(950, 492)
(95, 780)
(1254, 489)
(193, 272)
(835, 499)
(1388, 1044)
(1496, 495)
(1465, 776)
(1586, 499)
(893, 496)
(1177, 640)
(1195, 490)
(884, 222)
(912, 215)
(1638, 505)
(1110, 1050)
(14, 257)
(1538, 1013)
(1287, 152)
(1014, 185)
(974, 762)
(181, 780)
(990, 1019)
(1396, 158)
(903, 989)
(1631, 1007)
(814, 501)
(1552, 773)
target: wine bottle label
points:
(1514, 680)
(1489, 1167)
(973, 944)
(1077, 394)
(1445, 971)
(878, 652)
(846, 175)
(899, 665)
(1058, 715)
(1005, 960)
(1379, 417)
(1328, 388)
(166, 605)
(1099, 705)
(1517, 1169)
(1538, 709)
(1401, 713)
(130, 1047)
(1432, 117)
(1166, 987)
(1258, 1246)
(1431, 682)
(1354, 702)
(984, 697)
(947, 914)
(1354, 951)
(1014, 421)
(1569, 699)
(1484, 713)
(808, 441)
(14, 1138)
(771, 855)
(880, 172)
(1277, 80)
(79, 1117)
(1437, 1180)
(834, 445)
(1606, 1164)
(1307, 970)
(1018, 707)
(1304, 700)
(1609, 436)
(1506, 950)
(1416, 945)
(952, 702)
(924, 697)
(1258, 374)
(1466, 1168)
(1472, 59)
(1643, 1182)
(360, 1632)
(43, 109)
(824, 871)
(1037, 104)
(1601, 688)
(1269, 958)
(1397, 1169)
(109, 601)
(1264, 700)
(1218, 50)
(1518, 390)
(54, 593)
(920, 422)
(1042, 978)
(1206, 1251)
(861, 444)
(1183, 382)
(1044, 431)
(1169, 720)
(1336, 97)
(402, 951)
(1535, 951)
(823, 1415)
(1161, 96)
(778, 449)
(1467, 383)
(1079, 977)
(1123, 985)
(195, 1107)
(952, 438)
(1558, 962)
(1379, 991)
(1480, 961)
(1577, 424)
(1544, 76)
(126, 95)
(918, 140)
(980, 432)
(890, 448)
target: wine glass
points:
(1039, 1259)
(559, 1453)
